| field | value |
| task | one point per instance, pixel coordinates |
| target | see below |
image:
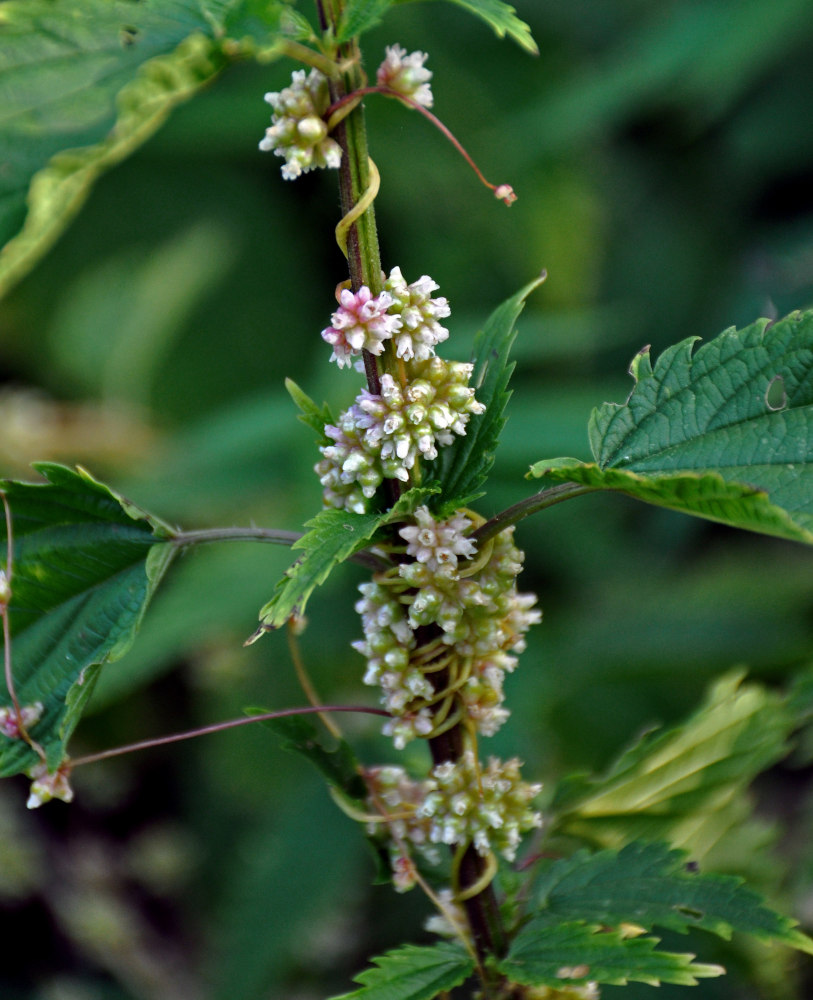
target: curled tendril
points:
(361, 206)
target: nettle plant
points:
(531, 899)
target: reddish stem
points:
(502, 191)
(219, 727)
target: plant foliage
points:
(86, 564)
(720, 432)
(413, 973)
(648, 884)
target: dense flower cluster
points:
(407, 313)
(382, 435)
(460, 803)
(406, 74)
(418, 331)
(298, 131)
(482, 618)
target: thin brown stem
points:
(218, 727)
(502, 191)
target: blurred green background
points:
(663, 159)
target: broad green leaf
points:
(546, 953)
(83, 86)
(502, 18)
(338, 765)
(675, 785)
(86, 564)
(462, 468)
(724, 432)
(334, 535)
(361, 15)
(649, 884)
(413, 973)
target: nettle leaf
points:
(502, 18)
(463, 467)
(359, 16)
(413, 973)
(724, 432)
(83, 86)
(334, 536)
(558, 955)
(674, 785)
(650, 884)
(86, 564)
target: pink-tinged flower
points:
(10, 724)
(297, 131)
(360, 323)
(49, 785)
(406, 74)
(5, 590)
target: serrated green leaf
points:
(545, 953)
(359, 16)
(502, 18)
(86, 564)
(338, 765)
(649, 884)
(334, 536)
(674, 785)
(83, 86)
(462, 468)
(724, 433)
(413, 973)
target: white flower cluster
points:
(406, 74)
(482, 617)
(460, 803)
(404, 312)
(382, 434)
(298, 131)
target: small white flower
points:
(406, 74)
(47, 785)
(297, 131)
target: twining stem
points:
(218, 727)
(503, 191)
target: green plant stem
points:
(364, 260)
(531, 505)
(363, 252)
